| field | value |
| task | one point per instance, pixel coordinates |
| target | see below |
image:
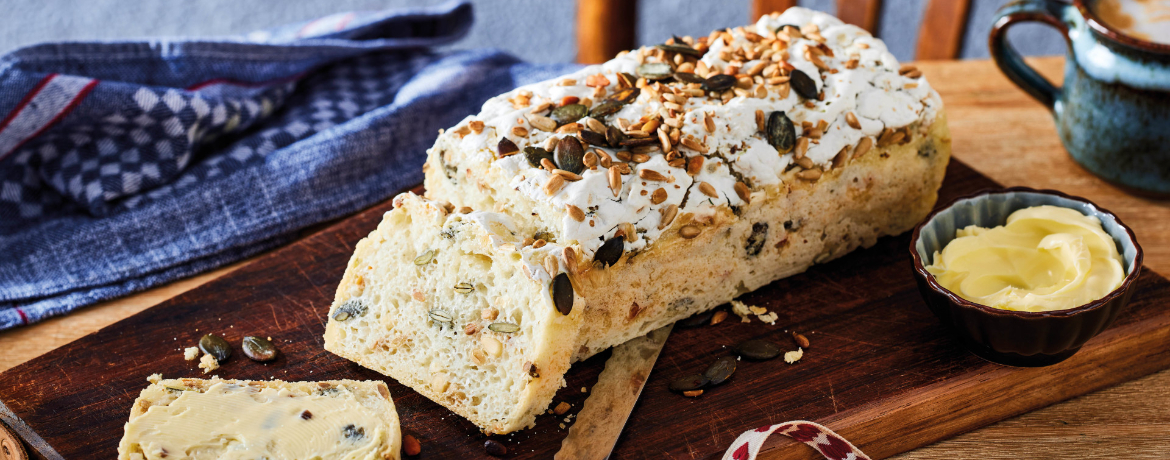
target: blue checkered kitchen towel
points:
(125, 165)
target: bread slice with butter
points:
(216, 418)
(458, 307)
(671, 179)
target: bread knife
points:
(604, 414)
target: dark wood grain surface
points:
(880, 368)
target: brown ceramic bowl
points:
(1018, 338)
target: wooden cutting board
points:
(880, 369)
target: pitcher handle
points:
(1008, 59)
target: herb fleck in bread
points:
(671, 179)
(216, 418)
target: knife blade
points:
(604, 414)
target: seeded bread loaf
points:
(675, 178)
(212, 419)
(458, 307)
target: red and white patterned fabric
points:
(824, 440)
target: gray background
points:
(540, 31)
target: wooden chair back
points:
(606, 27)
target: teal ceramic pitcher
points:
(1113, 111)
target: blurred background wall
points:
(536, 30)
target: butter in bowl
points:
(1025, 277)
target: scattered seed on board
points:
(693, 393)
(259, 349)
(215, 346)
(758, 349)
(494, 448)
(504, 328)
(720, 370)
(689, 383)
(800, 340)
(410, 445)
(464, 288)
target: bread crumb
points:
(584, 390)
(208, 363)
(562, 426)
(757, 310)
(793, 356)
(154, 378)
(769, 318)
(191, 353)
(742, 311)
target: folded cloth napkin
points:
(125, 165)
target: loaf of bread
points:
(216, 418)
(669, 180)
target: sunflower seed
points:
(719, 83)
(259, 349)
(570, 155)
(535, 154)
(425, 258)
(610, 252)
(758, 349)
(439, 316)
(689, 383)
(720, 370)
(215, 346)
(781, 133)
(688, 231)
(566, 114)
(800, 340)
(655, 71)
(504, 328)
(803, 84)
(464, 288)
(562, 293)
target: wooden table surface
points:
(999, 131)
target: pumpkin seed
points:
(506, 148)
(755, 241)
(464, 288)
(637, 141)
(606, 108)
(535, 154)
(627, 95)
(350, 309)
(610, 252)
(758, 349)
(439, 316)
(689, 383)
(570, 113)
(425, 258)
(717, 83)
(781, 133)
(696, 320)
(594, 138)
(562, 293)
(494, 448)
(688, 77)
(504, 328)
(570, 155)
(803, 84)
(655, 71)
(259, 349)
(215, 346)
(720, 370)
(681, 49)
